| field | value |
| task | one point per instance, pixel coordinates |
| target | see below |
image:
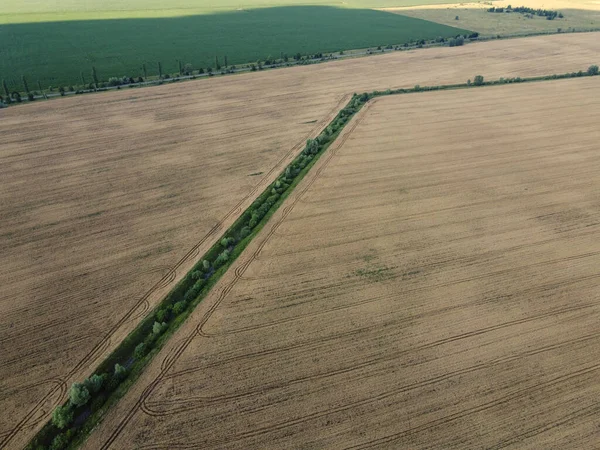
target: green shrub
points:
(120, 372)
(478, 80)
(162, 315)
(158, 328)
(62, 416)
(222, 258)
(179, 307)
(78, 394)
(140, 351)
(94, 383)
(59, 442)
(592, 70)
(245, 232)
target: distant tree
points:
(592, 70)
(200, 70)
(95, 76)
(62, 416)
(82, 78)
(159, 70)
(145, 71)
(226, 61)
(16, 97)
(6, 91)
(78, 394)
(180, 67)
(217, 65)
(41, 90)
(478, 80)
(25, 85)
(456, 18)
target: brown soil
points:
(432, 283)
(108, 199)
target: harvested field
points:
(432, 283)
(579, 15)
(108, 199)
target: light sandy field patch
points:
(432, 283)
(578, 15)
(108, 199)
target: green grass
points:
(20, 11)
(56, 52)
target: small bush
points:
(478, 80)
(120, 372)
(59, 442)
(222, 258)
(158, 328)
(245, 232)
(62, 416)
(592, 70)
(162, 315)
(179, 307)
(140, 351)
(78, 394)
(226, 242)
(94, 383)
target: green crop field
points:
(20, 11)
(117, 37)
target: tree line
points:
(530, 12)
(14, 94)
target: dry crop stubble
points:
(431, 283)
(108, 199)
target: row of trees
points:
(187, 69)
(547, 13)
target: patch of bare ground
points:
(431, 283)
(108, 199)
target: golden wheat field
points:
(108, 199)
(579, 15)
(431, 283)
